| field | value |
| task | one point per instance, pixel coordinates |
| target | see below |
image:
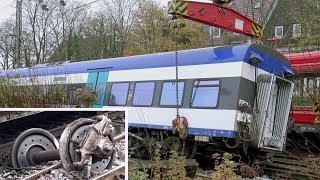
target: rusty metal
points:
(95, 142)
(84, 138)
(92, 137)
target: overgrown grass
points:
(225, 169)
(15, 94)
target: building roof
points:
(254, 9)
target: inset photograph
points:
(62, 144)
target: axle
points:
(44, 156)
(80, 141)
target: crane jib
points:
(213, 14)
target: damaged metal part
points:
(96, 142)
(86, 142)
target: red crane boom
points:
(213, 14)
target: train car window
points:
(205, 94)
(100, 92)
(168, 94)
(90, 86)
(119, 94)
(143, 94)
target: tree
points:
(120, 18)
(151, 33)
(304, 14)
(7, 44)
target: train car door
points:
(274, 100)
(97, 81)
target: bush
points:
(134, 173)
(224, 167)
(15, 94)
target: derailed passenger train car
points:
(240, 92)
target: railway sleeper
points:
(297, 170)
(86, 145)
(287, 174)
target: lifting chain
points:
(177, 79)
(179, 124)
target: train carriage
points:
(220, 90)
(306, 66)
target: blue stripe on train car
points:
(191, 131)
(272, 61)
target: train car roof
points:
(273, 61)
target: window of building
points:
(143, 94)
(278, 32)
(205, 94)
(119, 94)
(168, 94)
(296, 30)
(215, 32)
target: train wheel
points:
(30, 142)
(69, 142)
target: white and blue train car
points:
(228, 81)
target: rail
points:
(43, 171)
(115, 173)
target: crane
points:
(213, 14)
(316, 109)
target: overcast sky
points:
(7, 7)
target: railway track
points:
(291, 165)
(116, 173)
